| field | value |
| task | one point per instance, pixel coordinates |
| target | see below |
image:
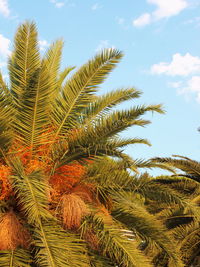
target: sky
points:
(160, 40)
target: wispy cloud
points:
(104, 44)
(143, 20)
(43, 44)
(164, 9)
(179, 66)
(57, 4)
(4, 8)
(192, 87)
(96, 6)
(4, 46)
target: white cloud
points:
(104, 44)
(57, 4)
(43, 44)
(164, 9)
(96, 6)
(142, 20)
(4, 8)
(192, 86)
(179, 66)
(168, 8)
(4, 46)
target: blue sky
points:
(161, 43)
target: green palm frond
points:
(112, 124)
(81, 153)
(52, 61)
(32, 120)
(136, 218)
(188, 237)
(6, 115)
(103, 104)
(174, 216)
(118, 121)
(16, 258)
(117, 246)
(97, 260)
(120, 143)
(78, 91)
(53, 57)
(24, 60)
(113, 173)
(188, 166)
(3, 85)
(62, 76)
(57, 248)
(31, 191)
(148, 164)
(184, 185)
(155, 191)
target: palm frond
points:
(78, 91)
(190, 167)
(103, 104)
(97, 260)
(33, 118)
(6, 115)
(62, 76)
(31, 193)
(188, 237)
(53, 247)
(113, 173)
(110, 125)
(15, 258)
(3, 84)
(155, 191)
(184, 185)
(117, 246)
(57, 248)
(136, 218)
(148, 164)
(24, 60)
(120, 143)
(52, 61)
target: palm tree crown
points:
(63, 200)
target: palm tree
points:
(183, 224)
(54, 133)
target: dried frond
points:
(73, 210)
(12, 233)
